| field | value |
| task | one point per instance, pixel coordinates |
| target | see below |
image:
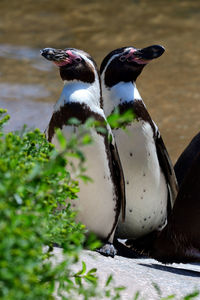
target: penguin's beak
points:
(143, 56)
(150, 52)
(55, 55)
(61, 57)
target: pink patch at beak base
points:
(63, 63)
(71, 55)
(69, 60)
(131, 57)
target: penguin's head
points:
(74, 64)
(125, 64)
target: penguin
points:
(185, 160)
(99, 203)
(179, 241)
(150, 182)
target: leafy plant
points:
(34, 184)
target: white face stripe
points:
(111, 59)
(120, 93)
(84, 56)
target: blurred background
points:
(170, 85)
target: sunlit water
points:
(170, 85)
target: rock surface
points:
(141, 274)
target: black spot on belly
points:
(144, 174)
(145, 219)
(141, 197)
(131, 154)
(104, 177)
(144, 190)
(149, 217)
(161, 212)
(142, 227)
(149, 153)
(127, 182)
(130, 210)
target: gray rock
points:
(141, 275)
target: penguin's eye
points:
(129, 59)
(122, 58)
(78, 59)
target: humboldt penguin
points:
(150, 181)
(99, 203)
(185, 160)
(179, 241)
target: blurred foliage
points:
(34, 185)
(121, 120)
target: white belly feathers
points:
(95, 205)
(146, 189)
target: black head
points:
(74, 64)
(125, 64)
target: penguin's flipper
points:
(185, 160)
(119, 177)
(167, 168)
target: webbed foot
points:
(107, 250)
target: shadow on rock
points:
(174, 270)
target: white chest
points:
(117, 94)
(96, 203)
(146, 189)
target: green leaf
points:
(192, 295)
(119, 288)
(136, 297)
(109, 280)
(85, 178)
(94, 270)
(82, 271)
(69, 281)
(87, 139)
(168, 297)
(91, 278)
(61, 139)
(90, 122)
(78, 281)
(157, 288)
(73, 121)
(83, 267)
(117, 120)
